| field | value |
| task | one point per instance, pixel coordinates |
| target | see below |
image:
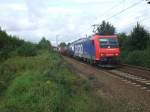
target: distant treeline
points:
(13, 46)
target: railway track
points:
(136, 76)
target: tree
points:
(148, 43)
(44, 44)
(8, 44)
(105, 28)
(138, 39)
(27, 49)
(62, 44)
(122, 37)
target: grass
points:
(44, 83)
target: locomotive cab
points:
(107, 49)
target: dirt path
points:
(112, 88)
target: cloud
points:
(62, 10)
(12, 7)
(70, 19)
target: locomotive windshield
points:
(108, 43)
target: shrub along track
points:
(110, 85)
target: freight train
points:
(97, 49)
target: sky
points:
(69, 20)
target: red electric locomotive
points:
(106, 49)
(98, 49)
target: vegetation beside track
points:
(44, 83)
(135, 47)
(138, 58)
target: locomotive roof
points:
(90, 37)
(79, 40)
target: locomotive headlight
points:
(102, 54)
(116, 54)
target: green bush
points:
(140, 58)
(8, 44)
(4, 54)
(134, 58)
(27, 49)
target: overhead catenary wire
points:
(140, 19)
(144, 19)
(131, 6)
(113, 7)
